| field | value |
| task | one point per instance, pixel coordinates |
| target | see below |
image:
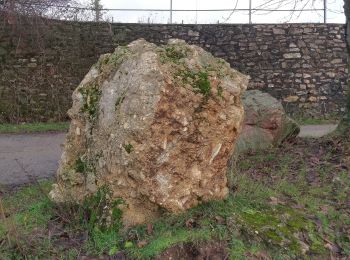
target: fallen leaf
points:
(189, 223)
(332, 247)
(149, 229)
(142, 243)
(220, 220)
(273, 201)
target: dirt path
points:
(36, 155)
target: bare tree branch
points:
(56, 9)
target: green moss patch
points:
(91, 96)
(128, 148)
(91, 91)
(198, 80)
(85, 167)
(173, 53)
(112, 61)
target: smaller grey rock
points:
(266, 124)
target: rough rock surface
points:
(157, 125)
(265, 122)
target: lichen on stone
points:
(155, 125)
(112, 60)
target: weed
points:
(220, 91)
(84, 166)
(99, 212)
(173, 54)
(119, 101)
(91, 95)
(199, 81)
(80, 165)
(202, 84)
(101, 217)
(128, 148)
(112, 60)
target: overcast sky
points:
(334, 13)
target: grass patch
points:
(35, 228)
(34, 127)
(91, 96)
(287, 203)
(24, 229)
(245, 218)
(173, 53)
(309, 176)
(199, 81)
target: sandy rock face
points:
(156, 125)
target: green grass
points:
(274, 209)
(246, 219)
(25, 230)
(33, 127)
(324, 201)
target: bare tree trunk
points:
(97, 7)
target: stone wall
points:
(42, 61)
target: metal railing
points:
(250, 10)
(87, 13)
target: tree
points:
(38, 8)
(97, 6)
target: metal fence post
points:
(171, 11)
(250, 11)
(325, 11)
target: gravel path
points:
(316, 131)
(26, 156)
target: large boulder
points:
(156, 125)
